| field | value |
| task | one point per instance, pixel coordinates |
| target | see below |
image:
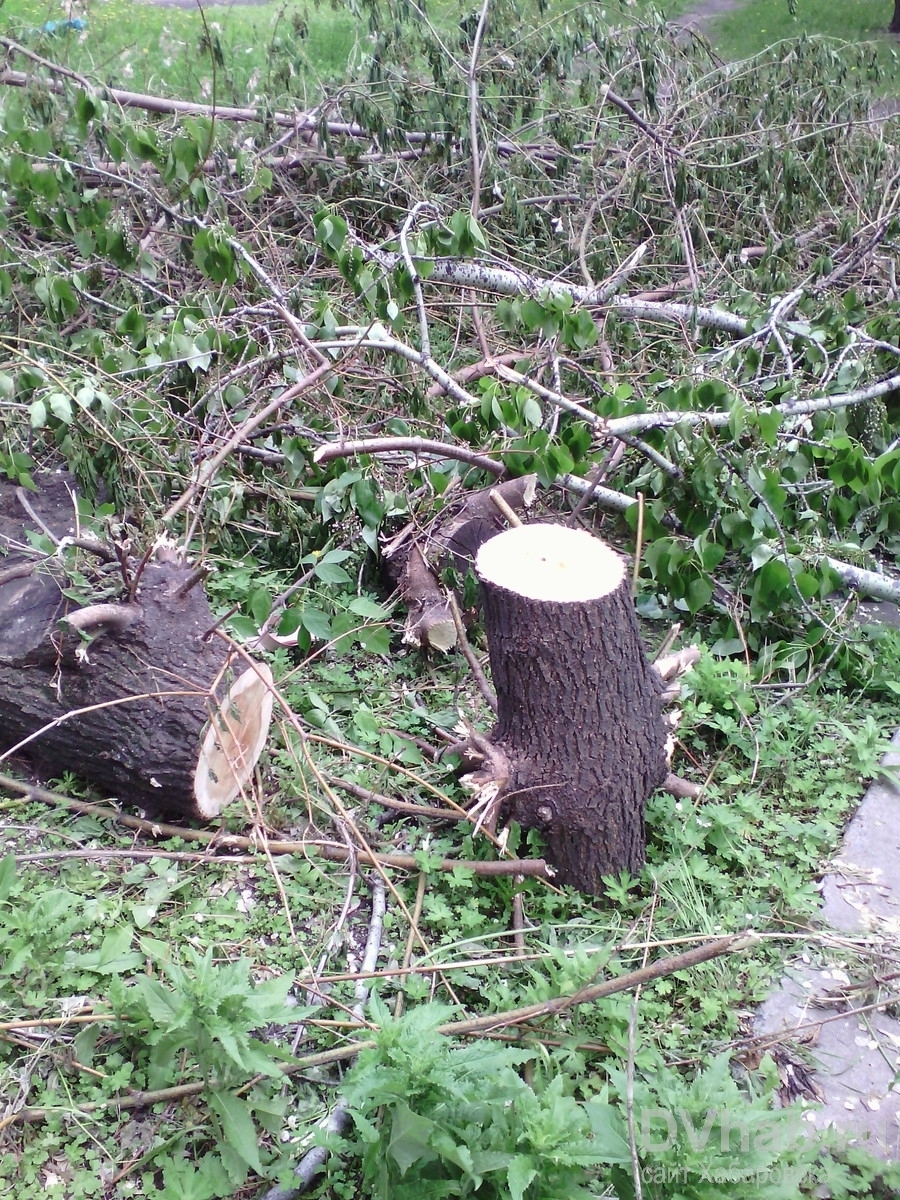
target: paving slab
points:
(855, 1046)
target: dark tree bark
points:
(120, 694)
(894, 26)
(579, 742)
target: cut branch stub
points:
(412, 560)
(579, 707)
(430, 621)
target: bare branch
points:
(209, 468)
(509, 281)
(413, 445)
(416, 210)
(473, 108)
(869, 583)
(625, 107)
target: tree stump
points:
(127, 695)
(579, 742)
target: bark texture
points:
(126, 710)
(579, 720)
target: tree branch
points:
(414, 445)
(534, 868)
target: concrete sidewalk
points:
(856, 1047)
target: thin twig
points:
(404, 806)
(625, 107)
(411, 937)
(482, 1026)
(531, 867)
(502, 504)
(411, 217)
(469, 654)
(475, 371)
(473, 108)
(208, 469)
(639, 546)
(336, 1122)
(376, 337)
(630, 1065)
(56, 68)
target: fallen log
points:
(128, 693)
(580, 742)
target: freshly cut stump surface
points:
(579, 708)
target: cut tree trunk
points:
(128, 696)
(579, 743)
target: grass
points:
(290, 50)
(757, 24)
(270, 50)
(96, 916)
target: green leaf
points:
(61, 407)
(375, 639)
(331, 230)
(7, 875)
(316, 623)
(410, 1139)
(531, 412)
(260, 604)
(229, 1043)
(698, 593)
(237, 1126)
(768, 424)
(762, 553)
(86, 108)
(610, 1141)
(774, 578)
(363, 606)
(807, 584)
(215, 256)
(579, 331)
(519, 1174)
(115, 955)
(162, 1006)
(329, 572)
(539, 318)
(291, 620)
(368, 728)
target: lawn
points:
(235, 53)
(755, 24)
(240, 54)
